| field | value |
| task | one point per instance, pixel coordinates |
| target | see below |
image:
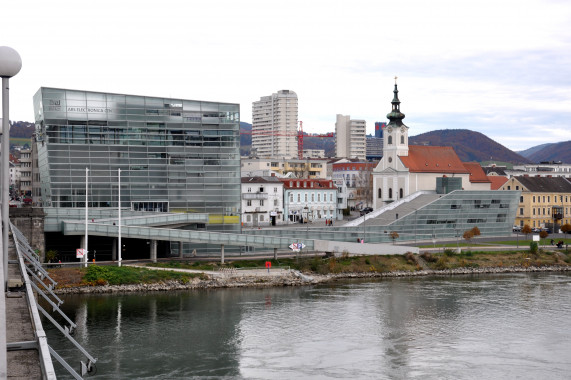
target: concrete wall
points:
(337, 247)
(30, 221)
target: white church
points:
(405, 169)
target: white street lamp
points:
(10, 65)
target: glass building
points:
(175, 155)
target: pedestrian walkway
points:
(22, 364)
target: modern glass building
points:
(175, 155)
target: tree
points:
(394, 235)
(566, 228)
(468, 235)
(543, 234)
(364, 185)
(526, 230)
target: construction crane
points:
(300, 139)
(299, 136)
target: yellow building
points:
(544, 201)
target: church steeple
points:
(395, 116)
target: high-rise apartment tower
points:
(274, 125)
(350, 138)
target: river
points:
(458, 327)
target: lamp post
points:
(10, 65)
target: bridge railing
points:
(31, 266)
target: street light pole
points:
(10, 65)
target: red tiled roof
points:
(477, 174)
(497, 181)
(433, 159)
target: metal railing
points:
(31, 270)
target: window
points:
(330, 197)
(318, 197)
(248, 202)
(305, 197)
(521, 211)
(380, 194)
(291, 198)
(509, 188)
(548, 198)
(261, 218)
(533, 211)
(275, 189)
(261, 202)
(390, 193)
(517, 187)
(298, 198)
(249, 189)
(313, 197)
(521, 199)
(390, 140)
(401, 193)
(402, 139)
(275, 202)
(261, 189)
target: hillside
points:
(553, 152)
(528, 152)
(469, 145)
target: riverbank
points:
(291, 278)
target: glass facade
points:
(175, 155)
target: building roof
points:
(545, 184)
(497, 181)
(477, 175)
(433, 159)
(297, 183)
(494, 169)
(260, 180)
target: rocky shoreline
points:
(292, 278)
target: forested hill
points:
(469, 145)
(21, 129)
(550, 152)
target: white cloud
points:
(488, 65)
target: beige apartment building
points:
(294, 168)
(350, 137)
(274, 125)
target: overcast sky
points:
(499, 67)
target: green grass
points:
(101, 275)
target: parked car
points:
(366, 210)
(517, 229)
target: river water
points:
(463, 327)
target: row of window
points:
(312, 197)
(380, 193)
(541, 211)
(249, 203)
(390, 140)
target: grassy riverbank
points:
(95, 276)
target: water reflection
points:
(453, 327)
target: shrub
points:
(427, 256)
(449, 252)
(533, 247)
(410, 258)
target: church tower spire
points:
(395, 116)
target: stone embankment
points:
(293, 278)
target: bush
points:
(533, 247)
(442, 263)
(410, 258)
(449, 252)
(427, 256)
